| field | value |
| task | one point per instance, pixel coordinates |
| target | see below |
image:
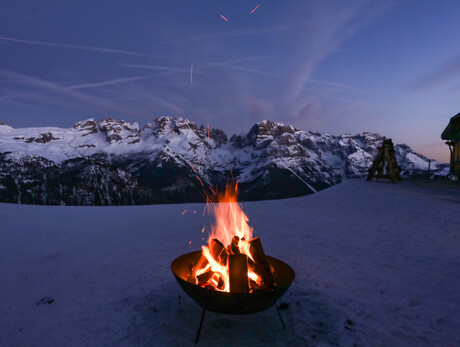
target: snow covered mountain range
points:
(171, 160)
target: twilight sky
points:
(391, 67)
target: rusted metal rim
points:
(233, 303)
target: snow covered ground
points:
(376, 264)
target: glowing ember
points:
(254, 9)
(199, 179)
(232, 261)
(212, 190)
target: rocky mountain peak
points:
(264, 133)
(117, 131)
(44, 137)
(268, 128)
(164, 125)
(86, 127)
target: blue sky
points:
(391, 67)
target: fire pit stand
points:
(204, 311)
(228, 302)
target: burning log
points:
(223, 258)
(204, 278)
(260, 265)
(216, 247)
(253, 286)
(238, 273)
(236, 265)
(233, 247)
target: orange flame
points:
(216, 267)
(230, 220)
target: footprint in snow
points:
(45, 301)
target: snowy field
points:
(377, 264)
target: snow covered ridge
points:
(170, 160)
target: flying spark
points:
(184, 212)
(208, 131)
(212, 190)
(170, 129)
(254, 9)
(200, 180)
(191, 74)
(192, 166)
(224, 18)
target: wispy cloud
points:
(229, 64)
(79, 47)
(291, 92)
(88, 48)
(116, 81)
(351, 101)
(259, 109)
(42, 85)
(250, 32)
(331, 38)
(447, 72)
(285, 77)
(154, 67)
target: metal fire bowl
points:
(233, 303)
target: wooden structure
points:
(452, 136)
(385, 164)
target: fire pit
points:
(228, 302)
(232, 275)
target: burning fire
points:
(232, 261)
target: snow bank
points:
(376, 264)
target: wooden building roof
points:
(452, 131)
